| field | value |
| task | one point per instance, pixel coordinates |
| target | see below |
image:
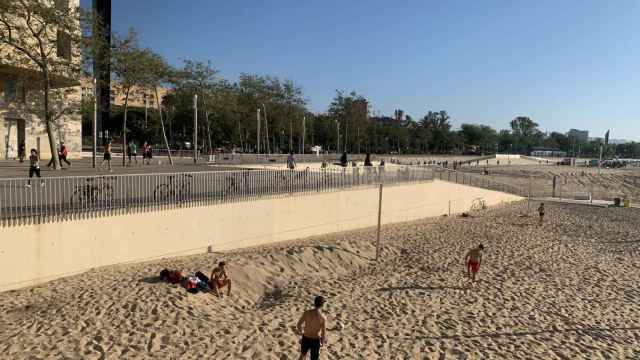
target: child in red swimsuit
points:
(472, 261)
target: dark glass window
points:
(14, 91)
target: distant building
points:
(398, 115)
(137, 96)
(580, 136)
(548, 152)
(21, 99)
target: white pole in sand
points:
(529, 197)
(379, 222)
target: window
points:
(62, 5)
(14, 91)
(63, 43)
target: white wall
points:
(33, 254)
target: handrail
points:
(60, 198)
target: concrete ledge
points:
(37, 253)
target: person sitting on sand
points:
(541, 213)
(472, 261)
(219, 279)
(312, 327)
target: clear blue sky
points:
(566, 64)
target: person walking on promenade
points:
(312, 326)
(107, 156)
(472, 261)
(147, 153)
(132, 151)
(21, 151)
(34, 167)
(144, 152)
(541, 213)
(62, 155)
(291, 161)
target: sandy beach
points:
(565, 290)
(571, 180)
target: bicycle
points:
(179, 189)
(94, 191)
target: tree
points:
(156, 73)
(45, 36)
(198, 78)
(523, 126)
(350, 113)
(525, 133)
(438, 128)
(129, 71)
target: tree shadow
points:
(272, 297)
(333, 248)
(151, 280)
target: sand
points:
(566, 290)
(572, 181)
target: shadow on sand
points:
(151, 280)
(423, 288)
(596, 332)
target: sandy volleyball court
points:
(567, 290)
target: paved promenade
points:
(83, 167)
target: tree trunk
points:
(47, 122)
(164, 134)
(124, 128)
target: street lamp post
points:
(338, 127)
(195, 128)
(304, 130)
(258, 134)
(94, 125)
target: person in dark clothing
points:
(34, 167)
(343, 160)
(367, 160)
(21, 151)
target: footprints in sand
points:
(566, 290)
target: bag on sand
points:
(204, 278)
(192, 284)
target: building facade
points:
(138, 96)
(580, 136)
(21, 101)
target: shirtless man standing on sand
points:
(472, 261)
(314, 333)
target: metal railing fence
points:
(478, 181)
(61, 198)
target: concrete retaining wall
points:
(37, 253)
